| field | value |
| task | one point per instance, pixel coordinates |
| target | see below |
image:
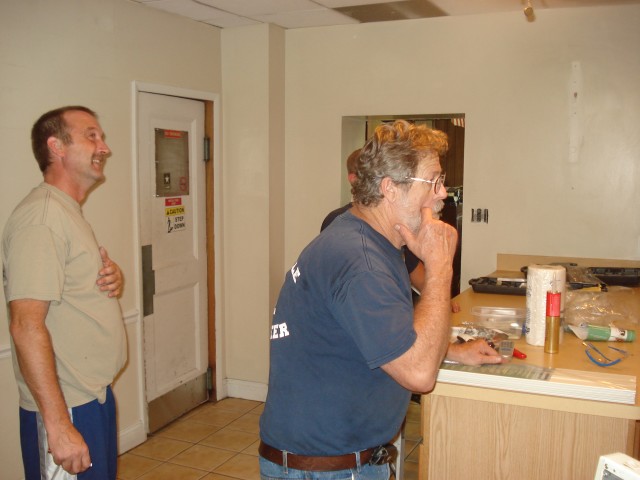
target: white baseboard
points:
(247, 390)
(131, 437)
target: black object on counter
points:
(628, 277)
(511, 286)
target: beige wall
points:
(284, 94)
(89, 52)
(511, 78)
(253, 209)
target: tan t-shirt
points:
(50, 253)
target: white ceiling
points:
(315, 13)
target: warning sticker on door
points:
(175, 213)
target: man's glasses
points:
(436, 183)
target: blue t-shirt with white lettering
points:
(344, 310)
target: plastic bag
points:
(618, 306)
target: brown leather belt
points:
(317, 464)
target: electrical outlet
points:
(479, 215)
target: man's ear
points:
(55, 146)
(388, 189)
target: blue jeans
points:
(273, 471)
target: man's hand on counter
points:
(475, 352)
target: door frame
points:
(213, 229)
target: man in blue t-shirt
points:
(347, 345)
(413, 263)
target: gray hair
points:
(395, 151)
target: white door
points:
(173, 235)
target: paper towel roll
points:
(540, 280)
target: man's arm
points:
(37, 364)
(416, 276)
(469, 353)
(435, 244)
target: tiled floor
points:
(219, 441)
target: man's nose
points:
(103, 148)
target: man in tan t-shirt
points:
(65, 321)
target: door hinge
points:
(207, 149)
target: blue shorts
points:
(96, 423)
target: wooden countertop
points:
(571, 356)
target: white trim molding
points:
(247, 390)
(131, 436)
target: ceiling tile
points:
(186, 8)
(250, 8)
(307, 18)
(382, 12)
(456, 7)
(336, 12)
(227, 20)
(349, 3)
